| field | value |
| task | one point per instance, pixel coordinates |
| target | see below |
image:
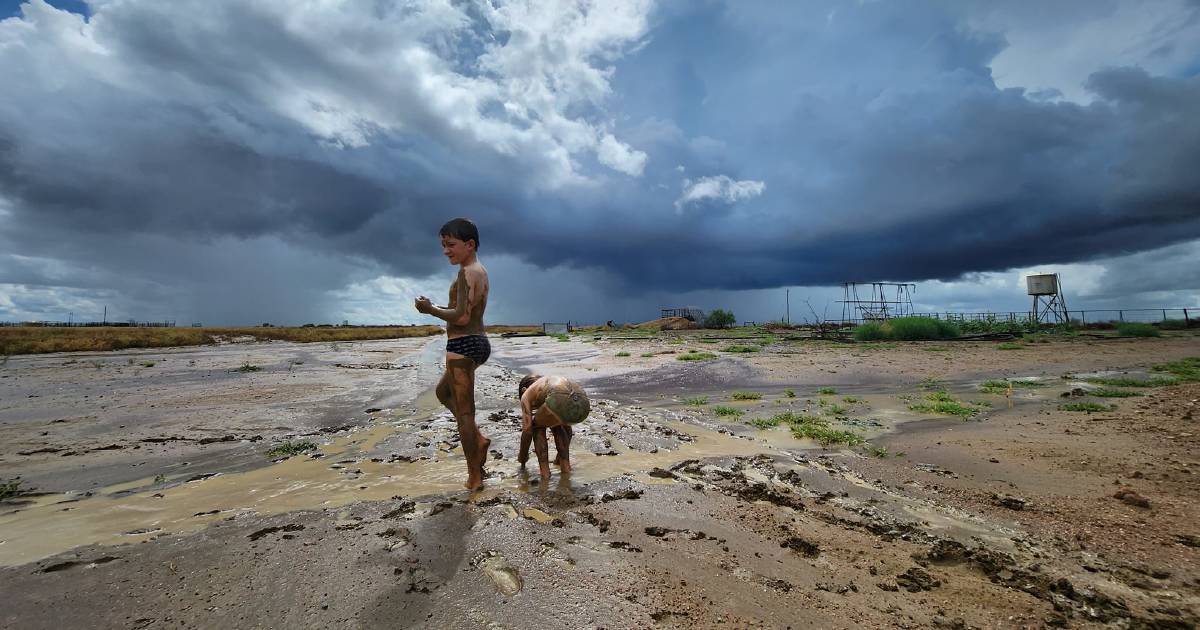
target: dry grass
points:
(39, 339)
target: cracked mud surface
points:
(675, 516)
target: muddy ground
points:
(150, 499)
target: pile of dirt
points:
(668, 323)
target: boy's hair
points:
(526, 382)
(461, 229)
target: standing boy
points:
(467, 344)
(555, 403)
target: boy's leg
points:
(523, 451)
(542, 448)
(445, 391)
(562, 446)
(462, 371)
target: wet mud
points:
(675, 515)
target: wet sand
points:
(155, 503)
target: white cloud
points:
(718, 188)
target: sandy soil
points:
(154, 502)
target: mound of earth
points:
(668, 323)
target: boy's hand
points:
(424, 305)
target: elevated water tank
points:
(1042, 284)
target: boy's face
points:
(457, 251)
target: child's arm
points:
(526, 429)
(468, 298)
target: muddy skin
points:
(696, 520)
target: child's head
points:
(461, 230)
(525, 383)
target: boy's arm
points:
(526, 429)
(469, 298)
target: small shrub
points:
(765, 423)
(647, 355)
(836, 410)
(246, 368)
(1134, 329)
(739, 349)
(288, 449)
(918, 328)
(12, 489)
(727, 411)
(747, 396)
(790, 393)
(719, 318)
(870, 331)
(876, 451)
(1087, 407)
(944, 404)
(622, 354)
(698, 401)
(827, 391)
(696, 356)
(1105, 392)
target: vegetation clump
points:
(727, 411)
(1087, 407)
(790, 393)
(696, 356)
(747, 396)
(622, 354)
(907, 329)
(827, 391)
(1008, 345)
(1184, 370)
(809, 427)
(288, 449)
(698, 401)
(246, 368)
(739, 349)
(942, 403)
(12, 489)
(997, 386)
(719, 318)
(1124, 381)
(1134, 329)
(1173, 324)
(1105, 392)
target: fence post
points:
(1083, 317)
(1121, 315)
(1164, 314)
(1185, 318)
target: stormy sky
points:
(290, 161)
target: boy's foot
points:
(564, 465)
(483, 455)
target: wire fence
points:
(1083, 317)
(125, 324)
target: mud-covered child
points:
(555, 403)
(467, 344)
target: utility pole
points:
(70, 318)
(105, 320)
(787, 297)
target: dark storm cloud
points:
(731, 146)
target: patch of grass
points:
(246, 368)
(827, 391)
(905, 397)
(1008, 345)
(836, 410)
(696, 356)
(765, 423)
(1124, 381)
(945, 404)
(907, 329)
(698, 401)
(826, 436)
(931, 383)
(997, 386)
(876, 451)
(851, 399)
(1173, 324)
(710, 341)
(1086, 407)
(622, 354)
(727, 411)
(747, 396)
(870, 331)
(160, 478)
(288, 449)
(1105, 392)
(875, 346)
(12, 489)
(739, 349)
(790, 393)
(562, 337)
(647, 355)
(1134, 329)
(1185, 370)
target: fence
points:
(1144, 315)
(129, 324)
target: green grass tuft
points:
(945, 404)
(246, 368)
(1185, 370)
(765, 423)
(851, 399)
(747, 396)
(1134, 329)
(1008, 345)
(696, 356)
(622, 354)
(12, 489)
(1087, 407)
(1113, 393)
(836, 410)
(647, 355)
(1124, 381)
(698, 401)
(741, 349)
(288, 449)
(997, 386)
(727, 411)
(790, 393)
(827, 391)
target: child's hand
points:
(423, 304)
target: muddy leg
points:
(445, 391)
(562, 446)
(462, 371)
(523, 452)
(542, 448)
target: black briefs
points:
(474, 347)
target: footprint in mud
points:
(503, 574)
